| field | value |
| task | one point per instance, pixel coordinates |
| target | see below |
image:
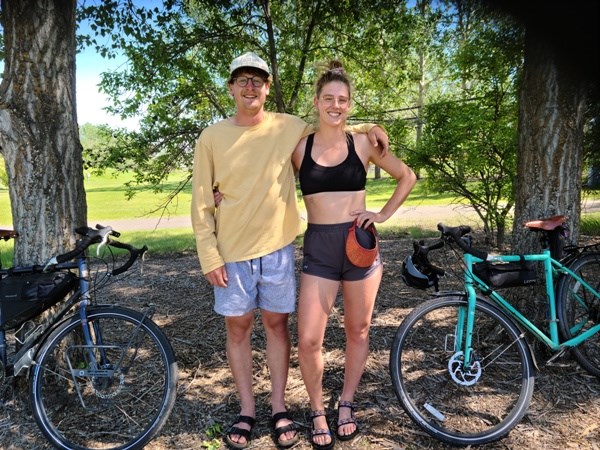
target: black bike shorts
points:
(325, 253)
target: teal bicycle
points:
(460, 364)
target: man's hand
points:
(217, 277)
(218, 197)
(379, 138)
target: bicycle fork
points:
(104, 365)
(463, 366)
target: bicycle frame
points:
(23, 359)
(464, 328)
(92, 360)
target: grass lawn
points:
(107, 200)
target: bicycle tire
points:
(475, 414)
(123, 407)
(578, 309)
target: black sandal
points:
(233, 430)
(284, 429)
(351, 419)
(320, 431)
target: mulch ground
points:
(564, 413)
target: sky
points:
(90, 101)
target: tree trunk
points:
(39, 138)
(550, 159)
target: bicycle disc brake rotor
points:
(461, 376)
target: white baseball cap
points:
(249, 59)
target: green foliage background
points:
(441, 76)
(408, 63)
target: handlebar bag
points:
(504, 275)
(24, 296)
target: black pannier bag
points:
(23, 296)
(503, 275)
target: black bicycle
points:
(101, 376)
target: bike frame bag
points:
(503, 275)
(24, 296)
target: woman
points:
(332, 167)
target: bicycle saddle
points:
(547, 224)
(7, 234)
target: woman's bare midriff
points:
(333, 207)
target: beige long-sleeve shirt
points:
(252, 168)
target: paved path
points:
(424, 216)
(406, 215)
(421, 215)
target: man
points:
(245, 245)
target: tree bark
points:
(550, 159)
(39, 138)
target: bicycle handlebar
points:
(99, 235)
(456, 234)
(420, 255)
(134, 253)
(90, 236)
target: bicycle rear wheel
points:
(452, 404)
(579, 309)
(124, 402)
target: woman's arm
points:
(403, 174)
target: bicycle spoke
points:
(579, 309)
(452, 402)
(115, 406)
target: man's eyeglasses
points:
(256, 81)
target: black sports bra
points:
(349, 175)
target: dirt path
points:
(421, 215)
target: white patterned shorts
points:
(268, 283)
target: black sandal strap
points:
(241, 431)
(347, 421)
(284, 428)
(345, 404)
(322, 432)
(281, 415)
(317, 413)
(245, 419)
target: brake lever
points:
(102, 243)
(51, 262)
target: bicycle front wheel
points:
(453, 403)
(114, 394)
(579, 309)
